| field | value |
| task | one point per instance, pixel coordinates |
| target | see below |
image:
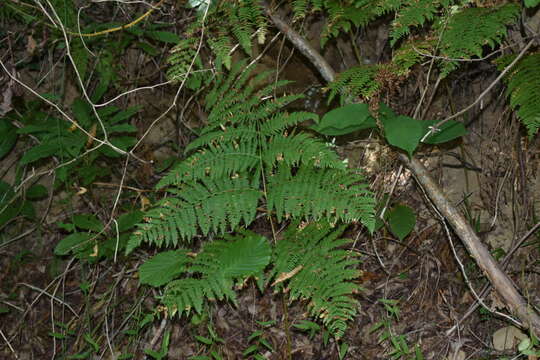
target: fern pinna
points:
(248, 159)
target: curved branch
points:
(504, 286)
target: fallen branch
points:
(504, 286)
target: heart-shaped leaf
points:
(401, 220)
(403, 132)
(345, 120)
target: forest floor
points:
(414, 299)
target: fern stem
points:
(287, 326)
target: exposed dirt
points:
(52, 307)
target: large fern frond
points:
(299, 149)
(415, 13)
(310, 265)
(214, 162)
(247, 141)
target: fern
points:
(409, 54)
(245, 144)
(214, 271)
(229, 23)
(319, 193)
(354, 82)
(524, 90)
(207, 205)
(468, 31)
(310, 265)
(414, 13)
(180, 62)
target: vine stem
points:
(504, 286)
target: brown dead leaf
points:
(287, 275)
(31, 45)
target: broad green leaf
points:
(164, 36)
(82, 111)
(163, 267)
(8, 210)
(120, 128)
(107, 111)
(401, 220)
(204, 340)
(121, 142)
(129, 220)
(403, 132)
(448, 131)
(40, 151)
(71, 242)
(531, 3)
(345, 120)
(385, 111)
(87, 222)
(8, 137)
(36, 192)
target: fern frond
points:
(318, 271)
(209, 205)
(299, 9)
(214, 271)
(314, 194)
(221, 47)
(251, 128)
(217, 187)
(300, 149)
(353, 82)
(214, 162)
(223, 83)
(184, 294)
(239, 257)
(413, 14)
(469, 30)
(180, 59)
(283, 120)
(242, 32)
(409, 55)
(524, 91)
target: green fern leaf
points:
(524, 90)
(311, 265)
(469, 30)
(211, 205)
(214, 271)
(354, 82)
(300, 149)
(320, 193)
(214, 162)
(415, 13)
